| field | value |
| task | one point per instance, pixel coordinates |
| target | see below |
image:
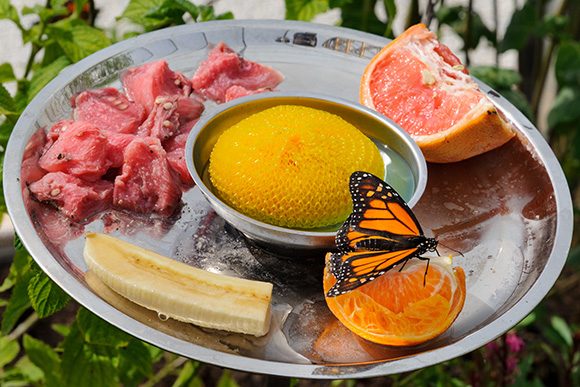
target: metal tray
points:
(509, 211)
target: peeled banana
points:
(179, 291)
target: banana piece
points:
(177, 290)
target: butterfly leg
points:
(403, 265)
(426, 269)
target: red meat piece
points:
(145, 83)
(74, 197)
(117, 144)
(162, 122)
(224, 68)
(82, 150)
(175, 149)
(146, 183)
(170, 116)
(108, 109)
(31, 171)
(56, 129)
(240, 91)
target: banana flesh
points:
(177, 290)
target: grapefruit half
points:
(420, 84)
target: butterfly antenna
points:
(449, 248)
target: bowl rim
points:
(420, 181)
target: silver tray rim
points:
(25, 229)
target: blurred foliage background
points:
(47, 340)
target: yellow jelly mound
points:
(290, 166)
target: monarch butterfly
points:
(379, 234)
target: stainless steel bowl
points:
(384, 132)
(508, 211)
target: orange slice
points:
(418, 83)
(396, 309)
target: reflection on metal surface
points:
(352, 47)
(304, 39)
(508, 211)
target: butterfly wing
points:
(354, 269)
(380, 220)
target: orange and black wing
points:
(380, 217)
(354, 269)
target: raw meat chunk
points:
(146, 183)
(56, 129)
(189, 110)
(76, 198)
(240, 91)
(145, 83)
(108, 109)
(82, 150)
(31, 171)
(162, 122)
(224, 68)
(175, 149)
(117, 144)
(170, 116)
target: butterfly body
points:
(380, 234)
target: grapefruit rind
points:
(478, 131)
(367, 318)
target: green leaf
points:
(6, 284)
(563, 329)
(305, 9)
(52, 52)
(137, 10)
(226, 380)
(567, 66)
(135, 363)
(7, 104)
(170, 12)
(78, 40)
(496, 77)
(7, 11)
(519, 100)
(84, 365)
(6, 73)
(8, 350)
(28, 371)
(391, 11)
(187, 374)
(565, 108)
(527, 321)
(223, 16)
(574, 257)
(61, 329)
(523, 24)
(456, 18)
(45, 14)
(188, 7)
(97, 331)
(554, 26)
(46, 74)
(45, 296)
(43, 356)
(362, 17)
(17, 305)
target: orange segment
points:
(396, 309)
(418, 82)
